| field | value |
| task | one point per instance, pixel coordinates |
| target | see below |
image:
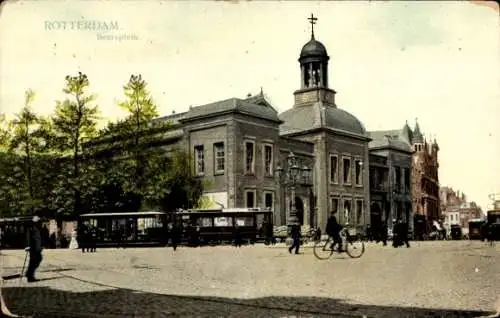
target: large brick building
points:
(424, 178)
(238, 143)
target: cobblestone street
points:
(431, 279)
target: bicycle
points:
(351, 244)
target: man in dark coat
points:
(93, 239)
(400, 234)
(34, 247)
(175, 235)
(295, 234)
(333, 229)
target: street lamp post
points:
(290, 178)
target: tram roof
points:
(122, 214)
(16, 219)
(476, 220)
(225, 210)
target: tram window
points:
(204, 222)
(244, 221)
(223, 221)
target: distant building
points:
(424, 178)
(390, 181)
(454, 203)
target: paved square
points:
(430, 279)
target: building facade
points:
(424, 186)
(238, 143)
(456, 209)
(390, 181)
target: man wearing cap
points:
(333, 229)
(34, 246)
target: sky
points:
(389, 62)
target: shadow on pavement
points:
(47, 302)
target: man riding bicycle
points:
(333, 229)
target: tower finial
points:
(312, 20)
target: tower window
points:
(346, 163)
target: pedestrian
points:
(174, 235)
(400, 231)
(93, 239)
(120, 233)
(382, 233)
(34, 247)
(295, 234)
(237, 236)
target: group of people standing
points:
(87, 238)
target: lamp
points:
(306, 175)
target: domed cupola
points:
(313, 62)
(313, 49)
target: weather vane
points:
(312, 20)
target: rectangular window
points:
(268, 160)
(269, 200)
(346, 163)
(199, 160)
(249, 157)
(223, 221)
(334, 169)
(397, 182)
(359, 175)
(250, 198)
(359, 211)
(244, 221)
(335, 205)
(407, 180)
(219, 158)
(204, 222)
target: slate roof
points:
(389, 142)
(396, 138)
(318, 115)
(255, 106)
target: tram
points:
(130, 228)
(13, 232)
(211, 227)
(475, 229)
(493, 217)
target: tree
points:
(143, 165)
(26, 141)
(75, 120)
(4, 132)
(184, 188)
(141, 111)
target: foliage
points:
(74, 168)
(4, 132)
(27, 139)
(185, 189)
(75, 121)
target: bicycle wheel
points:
(355, 248)
(322, 249)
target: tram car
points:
(493, 217)
(213, 227)
(13, 232)
(475, 229)
(127, 228)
